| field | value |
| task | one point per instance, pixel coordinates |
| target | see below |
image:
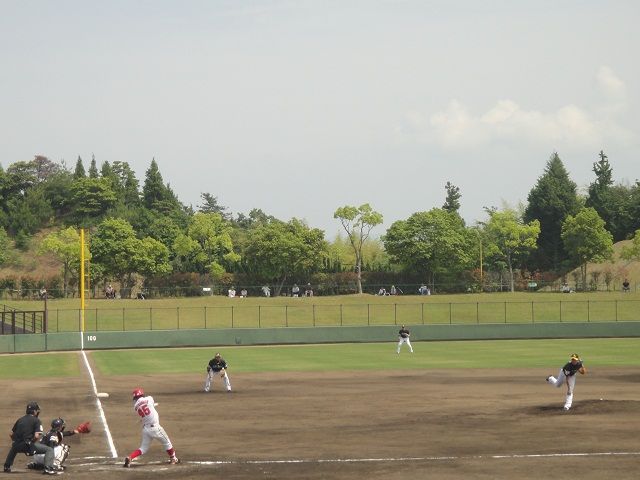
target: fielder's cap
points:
(575, 356)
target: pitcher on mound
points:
(568, 374)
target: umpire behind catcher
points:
(25, 435)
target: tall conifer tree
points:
(550, 201)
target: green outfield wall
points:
(301, 335)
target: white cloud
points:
(570, 126)
(610, 84)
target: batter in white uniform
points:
(145, 407)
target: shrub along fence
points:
(365, 314)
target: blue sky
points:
(300, 107)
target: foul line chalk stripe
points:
(408, 459)
(108, 463)
(107, 432)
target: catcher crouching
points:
(54, 438)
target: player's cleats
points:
(174, 460)
(127, 462)
(51, 471)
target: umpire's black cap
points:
(32, 407)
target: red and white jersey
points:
(145, 407)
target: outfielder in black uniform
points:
(217, 365)
(25, 435)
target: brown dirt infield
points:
(440, 424)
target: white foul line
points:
(406, 459)
(112, 447)
(102, 463)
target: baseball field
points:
(451, 410)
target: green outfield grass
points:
(39, 365)
(510, 354)
(256, 312)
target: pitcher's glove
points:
(84, 427)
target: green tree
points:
(341, 255)
(157, 196)
(65, 247)
(620, 205)
(634, 207)
(44, 168)
(452, 202)
(213, 236)
(116, 248)
(587, 240)
(210, 205)
(106, 171)
(256, 217)
(154, 258)
(550, 201)
(28, 213)
(56, 189)
(93, 168)
(509, 238)
(599, 196)
(278, 250)
(433, 243)
(4, 246)
(188, 255)
(20, 177)
(164, 229)
(358, 223)
(125, 184)
(91, 199)
(79, 171)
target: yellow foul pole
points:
(82, 283)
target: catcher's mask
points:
(33, 407)
(137, 393)
(57, 424)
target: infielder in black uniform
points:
(403, 337)
(568, 373)
(25, 435)
(217, 365)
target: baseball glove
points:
(84, 427)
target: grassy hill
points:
(28, 263)
(618, 268)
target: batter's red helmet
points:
(137, 393)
